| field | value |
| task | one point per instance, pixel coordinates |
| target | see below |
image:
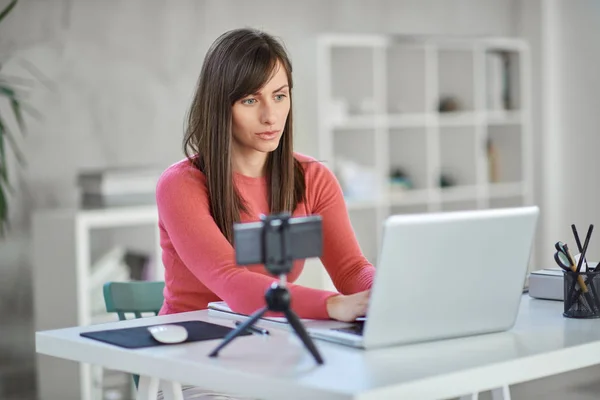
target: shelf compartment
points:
(357, 145)
(502, 83)
(456, 79)
(353, 82)
(505, 160)
(406, 74)
(408, 156)
(355, 164)
(458, 155)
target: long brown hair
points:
(238, 64)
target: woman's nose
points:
(268, 116)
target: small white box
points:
(547, 284)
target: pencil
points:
(580, 280)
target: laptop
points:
(444, 275)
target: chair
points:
(135, 298)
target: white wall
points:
(578, 82)
(121, 79)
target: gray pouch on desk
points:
(547, 284)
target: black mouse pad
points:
(139, 336)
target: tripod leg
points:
(303, 335)
(236, 332)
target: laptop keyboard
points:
(356, 328)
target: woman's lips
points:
(268, 135)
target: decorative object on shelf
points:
(449, 104)
(447, 180)
(399, 180)
(492, 154)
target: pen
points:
(254, 329)
(579, 244)
(585, 246)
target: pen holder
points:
(581, 302)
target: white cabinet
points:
(421, 124)
(62, 273)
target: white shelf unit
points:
(379, 107)
(62, 271)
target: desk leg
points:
(147, 388)
(171, 390)
(501, 393)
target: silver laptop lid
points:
(450, 274)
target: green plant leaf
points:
(3, 169)
(4, 183)
(7, 91)
(11, 141)
(16, 108)
(15, 104)
(7, 10)
(3, 211)
(4, 187)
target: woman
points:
(240, 164)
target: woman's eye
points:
(249, 101)
(280, 97)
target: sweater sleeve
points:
(184, 211)
(342, 257)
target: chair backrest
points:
(135, 297)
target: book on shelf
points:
(497, 88)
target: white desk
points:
(542, 343)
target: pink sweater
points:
(200, 264)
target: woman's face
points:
(259, 119)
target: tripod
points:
(277, 252)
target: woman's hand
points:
(348, 308)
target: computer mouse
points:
(168, 333)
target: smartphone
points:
(252, 238)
